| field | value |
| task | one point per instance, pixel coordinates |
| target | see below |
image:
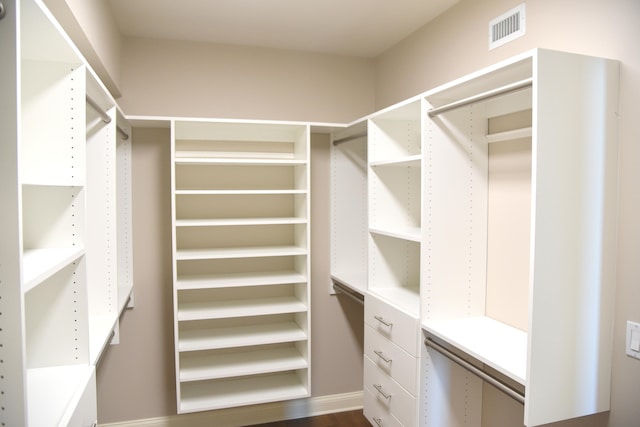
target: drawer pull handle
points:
(382, 356)
(381, 391)
(378, 421)
(384, 322)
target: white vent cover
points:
(507, 27)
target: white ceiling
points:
(362, 28)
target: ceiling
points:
(363, 28)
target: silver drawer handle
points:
(381, 391)
(384, 322)
(378, 421)
(382, 356)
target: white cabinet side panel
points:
(574, 181)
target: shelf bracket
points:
(508, 390)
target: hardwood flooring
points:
(340, 419)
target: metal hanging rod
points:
(508, 390)
(105, 117)
(513, 87)
(349, 138)
(340, 287)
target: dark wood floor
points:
(341, 419)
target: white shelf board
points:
(404, 298)
(240, 336)
(202, 310)
(237, 192)
(232, 280)
(182, 158)
(54, 392)
(413, 234)
(100, 331)
(205, 395)
(356, 281)
(220, 222)
(500, 346)
(40, 264)
(411, 161)
(250, 252)
(242, 363)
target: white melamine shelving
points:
(241, 262)
(349, 232)
(60, 235)
(520, 243)
(395, 205)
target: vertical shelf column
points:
(241, 263)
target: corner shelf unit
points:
(520, 244)
(241, 262)
(60, 227)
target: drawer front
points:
(378, 414)
(390, 394)
(393, 324)
(392, 360)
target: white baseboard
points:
(257, 414)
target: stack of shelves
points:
(241, 263)
(392, 308)
(59, 225)
(520, 267)
(395, 205)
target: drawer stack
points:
(390, 365)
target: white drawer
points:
(393, 324)
(391, 359)
(378, 414)
(390, 394)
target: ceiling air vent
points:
(507, 27)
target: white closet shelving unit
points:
(520, 244)
(392, 306)
(58, 274)
(395, 203)
(349, 224)
(241, 262)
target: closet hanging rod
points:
(349, 138)
(508, 390)
(105, 117)
(340, 287)
(513, 87)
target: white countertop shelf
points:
(500, 346)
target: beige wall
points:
(161, 78)
(456, 44)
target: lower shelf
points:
(500, 346)
(198, 367)
(211, 395)
(54, 393)
(216, 338)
